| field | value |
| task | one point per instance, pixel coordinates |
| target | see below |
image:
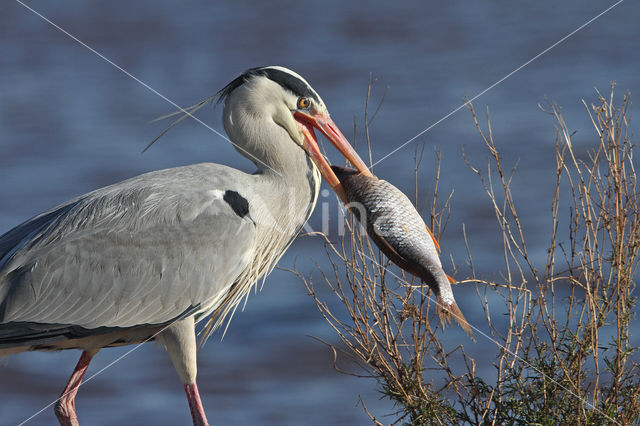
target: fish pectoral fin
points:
(435, 242)
(451, 279)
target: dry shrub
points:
(563, 353)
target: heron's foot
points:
(66, 405)
(66, 411)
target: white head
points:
(271, 111)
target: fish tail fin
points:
(447, 310)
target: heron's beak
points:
(328, 128)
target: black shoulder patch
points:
(283, 78)
(238, 203)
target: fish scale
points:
(398, 230)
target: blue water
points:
(70, 122)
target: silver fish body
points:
(398, 230)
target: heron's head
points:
(278, 98)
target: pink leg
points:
(195, 405)
(66, 405)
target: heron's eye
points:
(303, 103)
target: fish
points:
(396, 227)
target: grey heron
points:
(149, 257)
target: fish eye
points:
(303, 102)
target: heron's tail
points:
(448, 310)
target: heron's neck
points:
(291, 181)
(288, 194)
(297, 181)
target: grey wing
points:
(140, 252)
